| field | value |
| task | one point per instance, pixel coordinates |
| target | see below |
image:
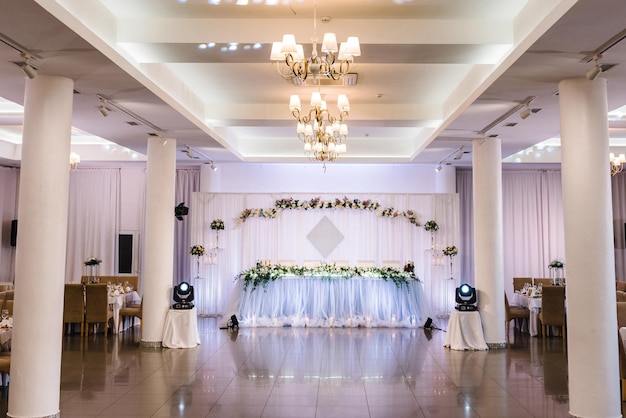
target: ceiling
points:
(433, 74)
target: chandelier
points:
(323, 135)
(616, 163)
(300, 67)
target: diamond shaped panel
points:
(325, 237)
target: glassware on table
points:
(5, 314)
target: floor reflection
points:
(310, 372)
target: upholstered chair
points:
(513, 313)
(518, 282)
(544, 281)
(131, 312)
(5, 368)
(74, 306)
(553, 309)
(97, 306)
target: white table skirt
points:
(117, 302)
(181, 329)
(465, 331)
(336, 302)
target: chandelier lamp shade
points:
(323, 135)
(616, 163)
(334, 62)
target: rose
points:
(450, 251)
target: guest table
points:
(331, 302)
(465, 331)
(181, 329)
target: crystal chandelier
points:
(616, 163)
(323, 135)
(299, 66)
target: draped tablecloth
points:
(181, 329)
(117, 302)
(465, 331)
(331, 302)
(532, 303)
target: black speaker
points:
(428, 324)
(13, 232)
(125, 253)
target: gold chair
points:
(5, 368)
(8, 305)
(97, 306)
(553, 309)
(543, 282)
(8, 301)
(74, 306)
(518, 282)
(512, 313)
(132, 312)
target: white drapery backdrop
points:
(367, 239)
(532, 218)
(93, 220)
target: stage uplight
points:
(465, 298)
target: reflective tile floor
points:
(314, 372)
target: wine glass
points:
(5, 314)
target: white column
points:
(209, 179)
(159, 244)
(488, 238)
(41, 247)
(594, 383)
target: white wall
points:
(338, 178)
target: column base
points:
(151, 344)
(57, 415)
(497, 346)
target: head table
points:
(301, 301)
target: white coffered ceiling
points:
(432, 74)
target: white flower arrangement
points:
(92, 261)
(431, 226)
(217, 224)
(197, 250)
(556, 264)
(263, 274)
(317, 203)
(450, 251)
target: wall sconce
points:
(74, 161)
(616, 163)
